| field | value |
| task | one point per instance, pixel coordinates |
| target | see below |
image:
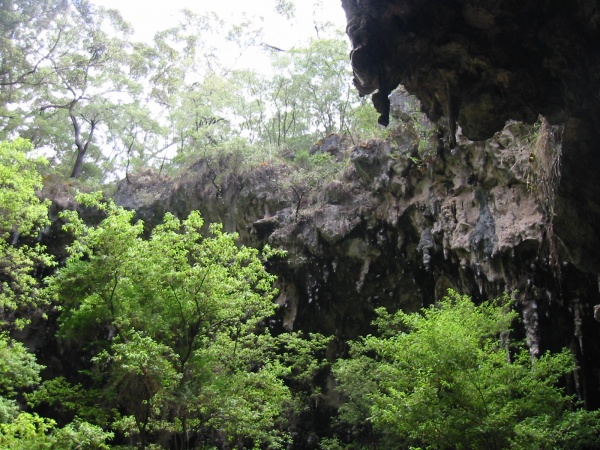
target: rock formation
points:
(397, 228)
(474, 65)
(479, 62)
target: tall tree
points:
(24, 50)
(88, 78)
(329, 89)
(81, 72)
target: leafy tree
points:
(25, 431)
(32, 432)
(87, 78)
(22, 216)
(70, 83)
(199, 116)
(186, 351)
(75, 85)
(19, 371)
(329, 90)
(136, 138)
(444, 378)
(285, 8)
(288, 119)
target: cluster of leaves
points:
(22, 216)
(447, 378)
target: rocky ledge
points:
(398, 227)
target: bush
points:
(445, 378)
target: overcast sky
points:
(150, 16)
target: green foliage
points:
(570, 430)
(19, 371)
(187, 349)
(22, 215)
(77, 86)
(79, 435)
(444, 378)
(32, 432)
(362, 121)
(70, 85)
(26, 431)
(310, 172)
(22, 211)
(71, 401)
(22, 50)
(425, 133)
(18, 368)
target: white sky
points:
(150, 16)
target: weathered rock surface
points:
(398, 229)
(474, 65)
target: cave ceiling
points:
(478, 63)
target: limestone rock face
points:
(479, 62)
(398, 228)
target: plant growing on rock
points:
(310, 173)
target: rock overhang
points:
(479, 63)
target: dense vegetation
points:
(172, 325)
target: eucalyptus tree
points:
(76, 69)
(287, 101)
(194, 78)
(136, 138)
(87, 78)
(309, 94)
(250, 104)
(324, 63)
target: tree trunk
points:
(81, 146)
(76, 172)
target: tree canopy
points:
(75, 83)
